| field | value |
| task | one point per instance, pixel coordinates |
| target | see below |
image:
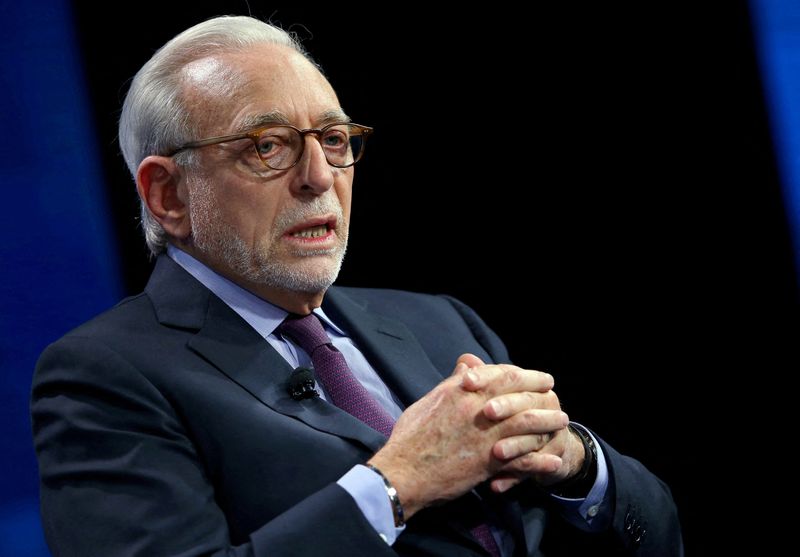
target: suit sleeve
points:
(121, 477)
(485, 336)
(645, 520)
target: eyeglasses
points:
(280, 146)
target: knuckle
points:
(528, 462)
(513, 376)
(551, 400)
(500, 405)
(532, 419)
(530, 399)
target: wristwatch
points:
(579, 485)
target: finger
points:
(532, 422)
(502, 483)
(531, 464)
(505, 378)
(518, 445)
(471, 360)
(504, 406)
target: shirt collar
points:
(263, 316)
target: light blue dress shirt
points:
(365, 486)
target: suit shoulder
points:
(402, 302)
(126, 316)
(405, 300)
(429, 316)
(386, 295)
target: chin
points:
(311, 275)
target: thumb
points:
(470, 360)
(460, 369)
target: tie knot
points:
(305, 330)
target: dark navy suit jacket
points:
(164, 427)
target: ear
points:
(162, 188)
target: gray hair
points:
(154, 118)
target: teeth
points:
(313, 232)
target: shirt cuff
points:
(367, 489)
(593, 512)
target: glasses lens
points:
(342, 144)
(281, 147)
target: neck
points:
(300, 303)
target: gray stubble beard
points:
(213, 236)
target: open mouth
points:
(313, 229)
(312, 232)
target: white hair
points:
(154, 117)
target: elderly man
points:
(181, 422)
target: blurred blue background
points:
(59, 260)
(776, 26)
(63, 263)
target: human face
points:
(270, 231)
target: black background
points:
(597, 182)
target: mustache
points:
(292, 216)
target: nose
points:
(314, 174)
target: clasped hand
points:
(485, 421)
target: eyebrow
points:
(336, 115)
(276, 117)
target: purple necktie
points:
(330, 368)
(483, 534)
(346, 392)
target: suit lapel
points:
(228, 342)
(241, 353)
(387, 344)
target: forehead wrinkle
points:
(279, 85)
(254, 121)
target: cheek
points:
(253, 219)
(262, 222)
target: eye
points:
(335, 138)
(276, 142)
(264, 146)
(268, 143)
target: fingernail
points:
(495, 406)
(502, 449)
(564, 419)
(504, 485)
(472, 377)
